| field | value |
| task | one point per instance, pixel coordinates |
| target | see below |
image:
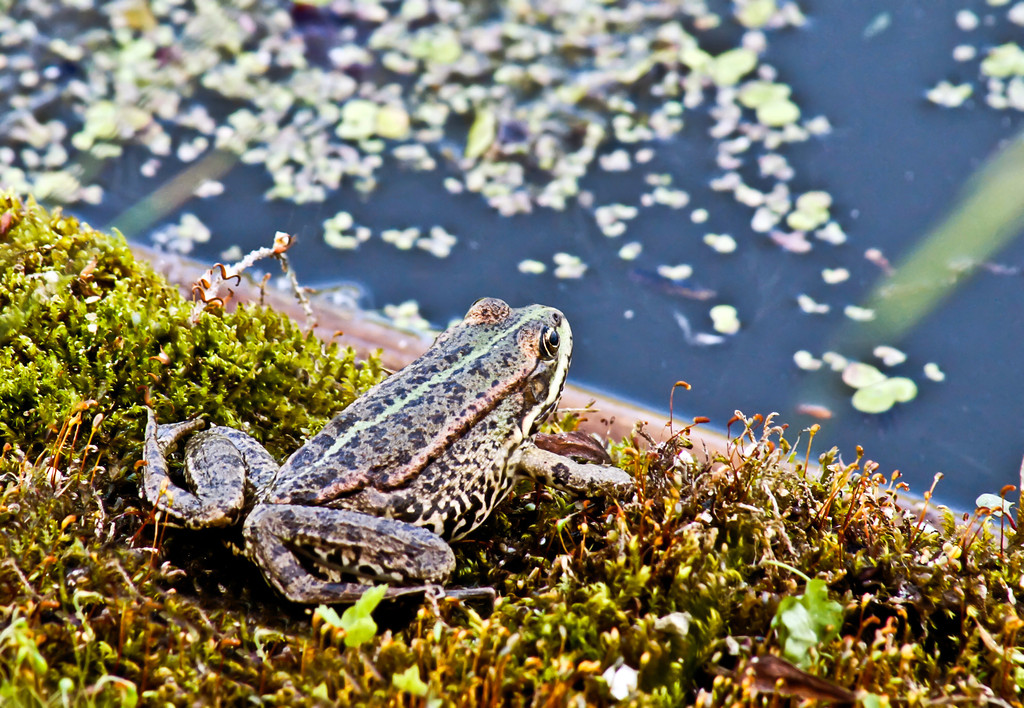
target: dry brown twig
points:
(211, 287)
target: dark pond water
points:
(894, 164)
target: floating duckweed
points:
(880, 397)
(699, 216)
(180, 237)
(392, 122)
(438, 243)
(569, 266)
(776, 114)
(770, 102)
(1016, 14)
(755, 14)
(335, 230)
(208, 188)
(835, 361)
(531, 266)
(630, 251)
(811, 211)
(481, 134)
(611, 218)
(858, 375)
(831, 233)
(358, 119)
(964, 52)
(876, 393)
(811, 306)
(676, 272)
(933, 372)
(730, 66)
(833, 276)
(859, 314)
(402, 239)
(806, 361)
(1004, 61)
(406, 315)
(673, 198)
(725, 319)
(794, 242)
(722, 243)
(949, 95)
(617, 161)
(57, 185)
(890, 356)
(967, 20)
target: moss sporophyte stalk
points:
(727, 582)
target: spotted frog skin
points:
(420, 459)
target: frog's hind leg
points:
(307, 553)
(217, 462)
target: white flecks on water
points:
(568, 266)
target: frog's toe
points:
(167, 435)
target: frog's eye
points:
(549, 340)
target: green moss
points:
(100, 604)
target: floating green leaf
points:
(880, 397)
(758, 93)
(392, 122)
(358, 119)
(756, 13)
(858, 375)
(729, 67)
(776, 114)
(481, 134)
(807, 621)
(1003, 61)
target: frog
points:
(418, 461)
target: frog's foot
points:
(214, 469)
(563, 473)
(307, 553)
(168, 434)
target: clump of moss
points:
(670, 599)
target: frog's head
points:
(531, 347)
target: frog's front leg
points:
(563, 473)
(217, 463)
(304, 551)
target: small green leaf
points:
(1004, 61)
(758, 93)
(776, 114)
(358, 119)
(807, 621)
(329, 615)
(860, 375)
(357, 620)
(729, 67)
(481, 134)
(410, 681)
(756, 13)
(902, 389)
(873, 399)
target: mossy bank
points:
(716, 586)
